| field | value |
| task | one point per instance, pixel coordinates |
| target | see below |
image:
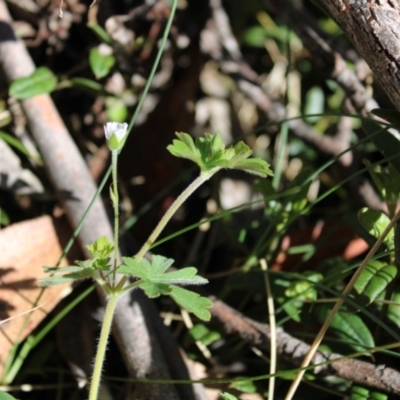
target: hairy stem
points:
(116, 211)
(170, 212)
(102, 347)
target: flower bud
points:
(115, 134)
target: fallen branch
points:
(255, 333)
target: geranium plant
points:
(153, 277)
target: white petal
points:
(120, 130)
(116, 128)
(109, 129)
(106, 132)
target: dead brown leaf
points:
(25, 248)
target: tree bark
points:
(373, 27)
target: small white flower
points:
(115, 133)
(115, 128)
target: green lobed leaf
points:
(100, 63)
(240, 152)
(137, 269)
(159, 264)
(155, 289)
(350, 328)
(184, 276)
(212, 150)
(64, 270)
(55, 280)
(101, 247)
(84, 273)
(84, 269)
(254, 166)
(155, 271)
(41, 81)
(101, 263)
(374, 280)
(188, 141)
(210, 154)
(375, 222)
(192, 302)
(143, 269)
(184, 147)
(91, 264)
(156, 280)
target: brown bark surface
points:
(373, 26)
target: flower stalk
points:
(116, 211)
(116, 135)
(102, 347)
